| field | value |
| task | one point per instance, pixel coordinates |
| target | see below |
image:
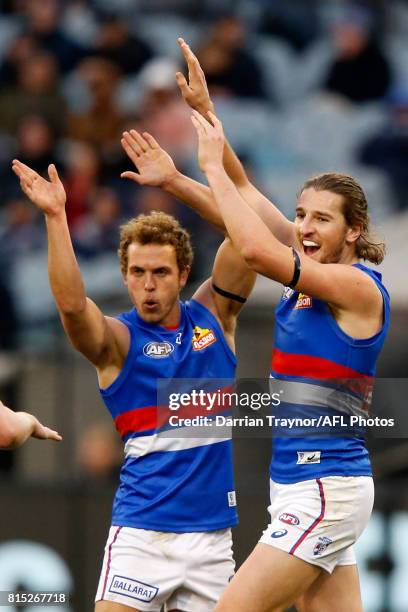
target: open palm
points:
(48, 196)
(155, 166)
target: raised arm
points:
(343, 286)
(230, 272)
(195, 93)
(102, 340)
(17, 427)
(225, 293)
(156, 168)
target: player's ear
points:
(353, 233)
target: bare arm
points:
(231, 274)
(341, 285)
(156, 168)
(101, 340)
(195, 93)
(17, 427)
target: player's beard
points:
(336, 254)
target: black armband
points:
(227, 294)
(296, 271)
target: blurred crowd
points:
(74, 74)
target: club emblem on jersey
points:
(202, 338)
(158, 350)
(303, 301)
(321, 546)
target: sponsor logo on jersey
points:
(308, 457)
(158, 350)
(321, 546)
(133, 588)
(279, 534)
(303, 301)
(202, 338)
(287, 293)
(289, 519)
(232, 499)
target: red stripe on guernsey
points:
(109, 561)
(316, 522)
(155, 417)
(306, 366)
(136, 420)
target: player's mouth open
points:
(150, 304)
(310, 247)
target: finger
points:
(52, 435)
(192, 60)
(132, 145)
(182, 83)
(133, 176)
(53, 175)
(140, 140)
(24, 168)
(199, 128)
(20, 171)
(204, 123)
(26, 187)
(214, 120)
(151, 141)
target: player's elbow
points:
(251, 254)
(71, 308)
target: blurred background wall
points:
(302, 87)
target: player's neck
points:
(172, 319)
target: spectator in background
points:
(388, 149)
(82, 175)
(360, 71)
(42, 23)
(36, 145)
(21, 49)
(36, 91)
(99, 454)
(231, 70)
(98, 231)
(21, 233)
(116, 44)
(163, 113)
(297, 21)
(102, 123)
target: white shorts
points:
(319, 520)
(148, 569)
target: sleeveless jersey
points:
(321, 372)
(174, 484)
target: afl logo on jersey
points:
(158, 350)
(202, 338)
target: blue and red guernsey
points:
(321, 372)
(180, 483)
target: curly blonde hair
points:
(156, 228)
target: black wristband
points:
(227, 294)
(296, 271)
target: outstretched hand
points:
(195, 91)
(155, 166)
(48, 196)
(210, 140)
